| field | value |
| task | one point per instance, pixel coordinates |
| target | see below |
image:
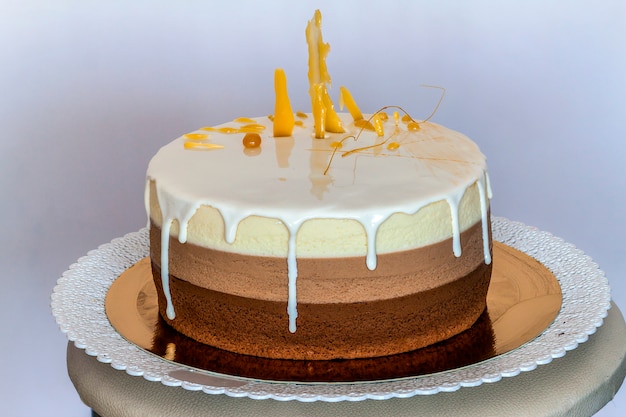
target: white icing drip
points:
(172, 209)
(183, 222)
(165, 281)
(292, 275)
(371, 227)
(484, 191)
(454, 201)
(231, 223)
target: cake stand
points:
(573, 368)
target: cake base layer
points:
(469, 347)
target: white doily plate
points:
(78, 306)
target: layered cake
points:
(321, 235)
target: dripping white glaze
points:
(454, 201)
(292, 274)
(239, 187)
(165, 281)
(485, 193)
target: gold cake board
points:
(576, 385)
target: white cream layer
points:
(435, 174)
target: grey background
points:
(90, 90)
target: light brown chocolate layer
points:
(322, 280)
(239, 303)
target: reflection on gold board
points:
(523, 300)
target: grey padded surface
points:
(578, 384)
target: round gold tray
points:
(523, 300)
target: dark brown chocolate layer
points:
(469, 347)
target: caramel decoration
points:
(319, 111)
(195, 136)
(283, 115)
(215, 129)
(333, 122)
(413, 126)
(244, 120)
(318, 73)
(378, 126)
(345, 99)
(196, 141)
(443, 93)
(252, 128)
(201, 146)
(228, 130)
(364, 124)
(251, 140)
(323, 109)
(364, 148)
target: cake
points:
(322, 235)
